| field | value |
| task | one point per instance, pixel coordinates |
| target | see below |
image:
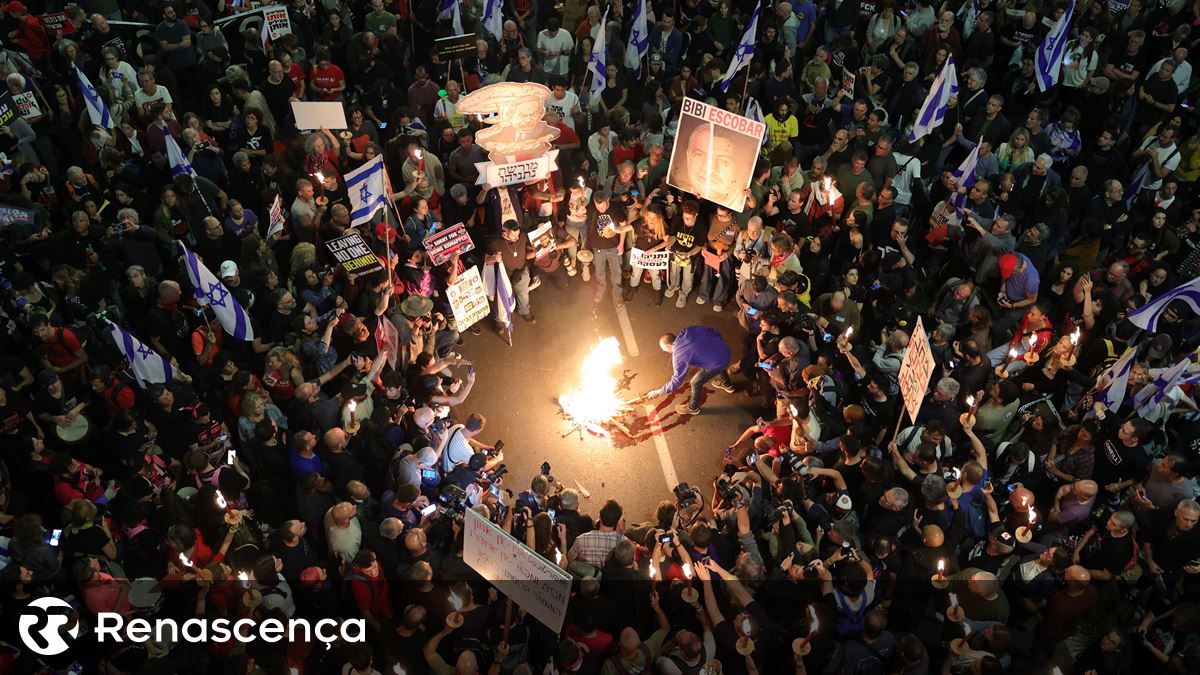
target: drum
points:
(585, 256)
(145, 596)
(74, 433)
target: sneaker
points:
(700, 300)
(717, 308)
(686, 409)
(618, 302)
(681, 302)
(670, 292)
(723, 386)
(529, 318)
(476, 329)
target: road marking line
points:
(660, 445)
(627, 331)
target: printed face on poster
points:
(715, 153)
(468, 299)
(542, 240)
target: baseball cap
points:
(1008, 263)
(1005, 542)
(384, 230)
(844, 503)
(14, 6)
(1161, 345)
(228, 269)
(656, 58)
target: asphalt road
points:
(517, 389)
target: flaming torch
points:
(595, 406)
(455, 618)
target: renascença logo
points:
(41, 628)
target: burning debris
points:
(594, 407)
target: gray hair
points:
(913, 65)
(789, 343)
(127, 212)
(980, 73)
(1188, 505)
(1048, 160)
(949, 387)
(391, 528)
(933, 488)
(899, 497)
(1126, 519)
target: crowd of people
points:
(1039, 513)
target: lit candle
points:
(848, 333)
(652, 571)
(827, 184)
(243, 579)
(687, 570)
(1025, 532)
(972, 406)
(941, 567)
(320, 179)
(1074, 342)
(455, 618)
(294, 670)
(398, 670)
(420, 160)
(557, 556)
(184, 559)
(746, 626)
(221, 500)
(352, 406)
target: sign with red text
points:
(468, 299)
(57, 22)
(537, 585)
(444, 244)
(715, 153)
(27, 105)
(915, 370)
(275, 19)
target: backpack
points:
(849, 622)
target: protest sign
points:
(14, 214)
(848, 78)
(713, 260)
(542, 240)
(276, 223)
(8, 108)
(27, 105)
(915, 370)
(317, 114)
(353, 254)
(649, 261)
(444, 244)
(275, 19)
(455, 46)
(57, 22)
(537, 585)
(468, 299)
(715, 153)
(501, 175)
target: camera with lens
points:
(806, 323)
(496, 475)
(727, 490)
(797, 463)
(452, 499)
(685, 495)
(545, 469)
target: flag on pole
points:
(964, 177)
(448, 9)
(639, 39)
(210, 291)
(1157, 389)
(967, 14)
(597, 64)
(745, 51)
(493, 19)
(1136, 183)
(367, 191)
(176, 158)
(276, 224)
(1047, 61)
(1146, 317)
(1116, 378)
(499, 289)
(96, 108)
(933, 110)
(149, 367)
(754, 112)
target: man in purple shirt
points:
(699, 346)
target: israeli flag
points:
(1157, 389)
(933, 110)
(639, 39)
(149, 367)
(1136, 184)
(493, 20)
(1112, 394)
(210, 291)
(367, 190)
(91, 98)
(596, 64)
(176, 158)
(967, 14)
(754, 112)
(1146, 316)
(964, 177)
(499, 289)
(1047, 61)
(448, 9)
(745, 51)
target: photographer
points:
(422, 330)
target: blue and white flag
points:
(175, 157)
(1116, 378)
(499, 290)
(754, 112)
(968, 14)
(1146, 316)
(639, 39)
(1136, 183)
(210, 291)
(493, 19)
(933, 110)
(1158, 388)
(6, 166)
(596, 64)
(448, 9)
(744, 53)
(1047, 61)
(149, 367)
(91, 98)
(964, 177)
(367, 188)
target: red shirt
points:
(621, 153)
(62, 348)
(371, 594)
(329, 77)
(296, 73)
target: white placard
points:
(468, 299)
(649, 261)
(317, 114)
(915, 370)
(513, 173)
(537, 585)
(275, 19)
(27, 105)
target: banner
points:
(275, 19)
(275, 224)
(535, 584)
(713, 156)
(455, 46)
(15, 214)
(353, 254)
(468, 299)
(649, 261)
(915, 370)
(443, 244)
(56, 22)
(501, 175)
(27, 105)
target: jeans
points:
(576, 231)
(444, 341)
(607, 260)
(702, 377)
(635, 278)
(719, 284)
(680, 278)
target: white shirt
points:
(563, 107)
(1168, 158)
(560, 47)
(902, 182)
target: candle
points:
(939, 578)
(1025, 532)
(972, 406)
(941, 566)
(581, 185)
(953, 600)
(398, 670)
(420, 160)
(221, 500)
(827, 184)
(848, 333)
(746, 626)
(184, 559)
(1074, 342)
(455, 618)
(352, 406)
(652, 571)
(557, 556)
(320, 179)
(687, 570)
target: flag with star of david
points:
(366, 189)
(148, 366)
(210, 291)
(744, 52)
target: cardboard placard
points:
(275, 225)
(8, 108)
(14, 214)
(535, 584)
(542, 240)
(848, 78)
(57, 22)
(468, 299)
(353, 254)
(317, 114)
(515, 173)
(713, 260)
(713, 156)
(275, 19)
(27, 105)
(649, 261)
(455, 46)
(443, 244)
(915, 370)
